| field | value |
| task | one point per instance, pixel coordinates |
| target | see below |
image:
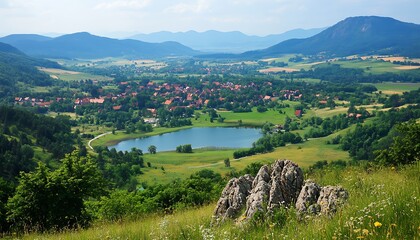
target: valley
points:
(75, 108)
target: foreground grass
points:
(386, 196)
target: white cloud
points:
(123, 4)
(196, 7)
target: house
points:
(298, 113)
(117, 108)
(97, 100)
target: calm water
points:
(197, 137)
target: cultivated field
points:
(66, 75)
(396, 88)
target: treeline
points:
(365, 140)
(184, 148)
(324, 127)
(396, 100)
(268, 142)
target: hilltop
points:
(354, 35)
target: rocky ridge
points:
(279, 185)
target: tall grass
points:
(384, 203)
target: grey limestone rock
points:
(308, 198)
(277, 185)
(330, 198)
(233, 197)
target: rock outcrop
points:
(233, 197)
(277, 185)
(308, 198)
(330, 198)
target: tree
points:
(152, 149)
(406, 147)
(227, 162)
(55, 200)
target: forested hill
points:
(6, 48)
(86, 45)
(354, 35)
(16, 67)
(22, 131)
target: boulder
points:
(233, 197)
(330, 198)
(308, 198)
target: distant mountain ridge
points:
(229, 42)
(86, 45)
(354, 35)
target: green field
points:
(182, 165)
(72, 75)
(396, 88)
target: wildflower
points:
(365, 231)
(357, 230)
(377, 224)
(360, 237)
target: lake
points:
(218, 137)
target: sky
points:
(119, 18)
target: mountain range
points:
(87, 46)
(354, 35)
(228, 42)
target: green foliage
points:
(120, 168)
(405, 148)
(365, 139)
(47, 200)
(227, 162)
(152, 149)
(15, 68)
(200, 188)
(184, 148)
(53, 134)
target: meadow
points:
(168, 166)
(396, 88)
(66, 75)
(378, 208)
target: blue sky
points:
(125, 17)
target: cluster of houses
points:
(172, 95)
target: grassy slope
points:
(396, 88)
(394, 201)
(178, 165)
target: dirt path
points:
(99, 136)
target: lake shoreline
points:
(107, 140)
(198, 137)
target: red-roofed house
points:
(298, 113)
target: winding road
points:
(99, 136)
